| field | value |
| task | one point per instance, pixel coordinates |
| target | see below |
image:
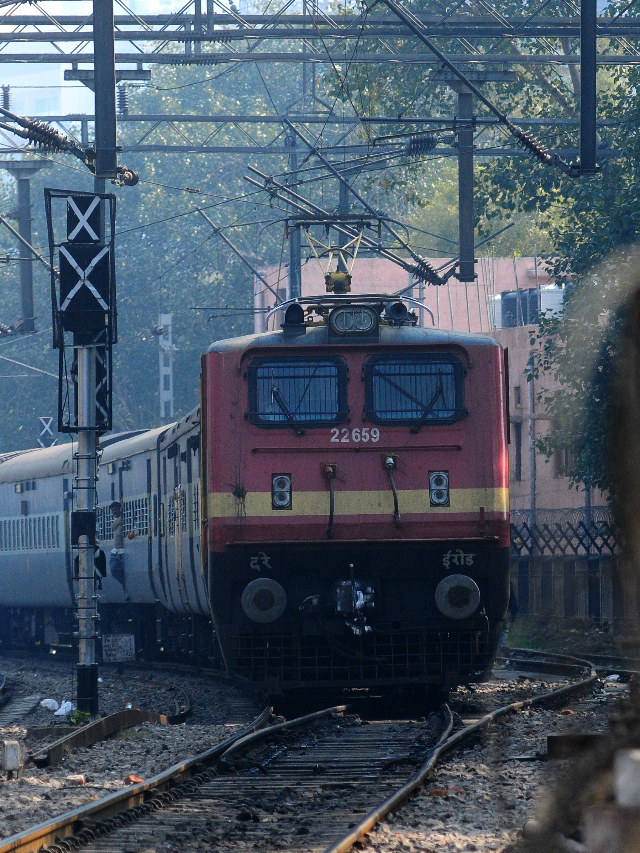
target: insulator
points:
(44, 136)
(126, 177)
(425, 272)
(6, 98)
(531, 144)
(421, 143)
(123, 100)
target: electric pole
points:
(466, 264)
(23, 171)
(588, 69)
(295, 250)
(343, 210)
(165, 358)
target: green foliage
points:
(170, 260)
(168, 257)
(579, 351)
(79, 718)
(597, 221)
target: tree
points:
(596, 222)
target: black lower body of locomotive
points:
(356, 615)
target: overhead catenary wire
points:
(525, 140)
(28, 366)
(276, 189)
(423, 269)
(218, 232)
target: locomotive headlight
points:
(457, 596)
(281, 491)
(439, 488)
(353, 320)
(263, 600)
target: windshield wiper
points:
(277, 396)
(439, 392)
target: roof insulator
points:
(420, 144)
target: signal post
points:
(84, 331)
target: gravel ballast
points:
(142, 751)
(481, 794)
(477, 800)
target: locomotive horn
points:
(396, 312)
(294, 315)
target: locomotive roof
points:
(319, 336)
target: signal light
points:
(439, 488)
(281, 491)
(457, 596)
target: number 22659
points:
(358, 434)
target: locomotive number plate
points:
(356, 435)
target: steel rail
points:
(398, 799)
(84, 823)
(63, 826)
(100, 729)
(554, 656)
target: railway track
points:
(320, 782)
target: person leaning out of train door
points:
(116, 559)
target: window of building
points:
(285, 392)
(517, 395)
(414, 389)
(517, 462)
(563, 461)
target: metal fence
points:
(564, 533)
(564, 564)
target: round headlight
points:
(353, 320)
(457, 596)
(263, 600)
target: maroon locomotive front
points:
(356, 492)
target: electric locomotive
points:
(337, 507)
(355, 491)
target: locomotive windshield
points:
(416, 390)
(287, 392)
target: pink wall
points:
(463, 307)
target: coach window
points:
(414, 389)
(286, 392)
